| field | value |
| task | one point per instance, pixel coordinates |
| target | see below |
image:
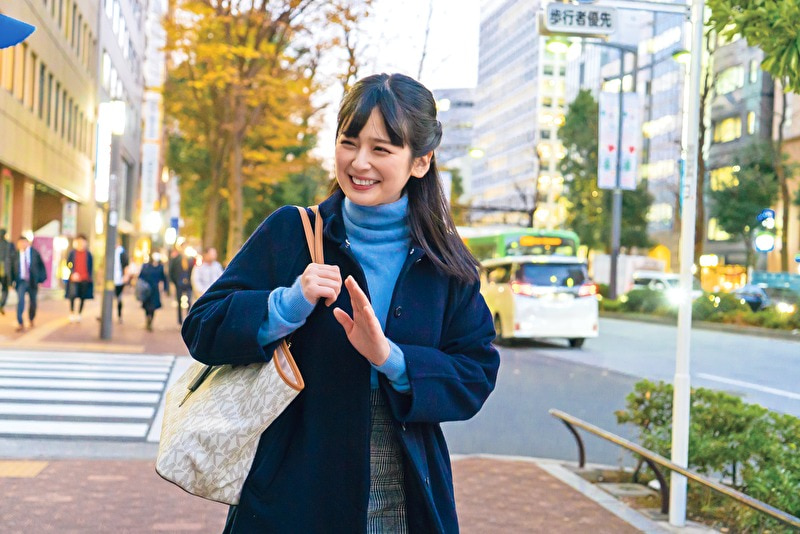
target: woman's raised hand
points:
(363, 329)
(320, 281)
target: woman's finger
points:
(343, 319)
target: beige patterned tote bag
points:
(215, 415)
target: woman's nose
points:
(361, 160)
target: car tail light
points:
(521, 288)
(587, 290)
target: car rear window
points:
(553, 274)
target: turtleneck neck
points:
(387, 222)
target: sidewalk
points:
(41, 495)
(53, 331)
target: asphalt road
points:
(591, 383)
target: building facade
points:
(519, 106)
(456, 112)
(121, 53)
(740, 114)
(48, 114)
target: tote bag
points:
(214, 415)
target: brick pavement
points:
(126, 496)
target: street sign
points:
(631, 140)
(580, 19)
(609, 138)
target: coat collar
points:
(333, 223)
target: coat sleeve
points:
(451, 383)
(222, 326)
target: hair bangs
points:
(355, 114)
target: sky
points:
(393, 37)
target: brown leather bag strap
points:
(313, 237)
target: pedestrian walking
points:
(153, 274)
(27, 272)
(6, 253)
(206, 273)
(405, 346)
(121, 275)
(80, 285)
(180, 274)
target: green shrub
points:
(610, 305)
(645, 301)
(717, 306)
(755, 450)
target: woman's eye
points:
(346, 142)
(381, 149)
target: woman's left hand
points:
(363, 329)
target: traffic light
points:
(764, 240)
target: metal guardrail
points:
(654, 459)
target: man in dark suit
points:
(6, 253)
(27, 272)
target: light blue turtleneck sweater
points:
(379, 238)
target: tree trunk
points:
(236, 181)
(211, 224)
(700, 215)
(783, 183)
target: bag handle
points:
(313, 237)
(284, 362)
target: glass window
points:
(42, 83)
(106, 70)
(715, 233)
(729, 80)
(49, 102)
(754, 68)
(728, 130)
(56, 106)
(723, 178)
(19, 70)
(751, 122)
(7, 68)
(30, 81)
(553, 274)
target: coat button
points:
(398, 311)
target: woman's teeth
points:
(359, 181)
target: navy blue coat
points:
(153, 275)
(311, 472)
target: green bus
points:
(500, 241)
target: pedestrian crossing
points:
(81, 395)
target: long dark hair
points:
(409, 113)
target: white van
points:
(541, 297)
(667, 282)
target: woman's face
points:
(370, 170)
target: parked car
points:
(783, 299)
(753, 295)
(541, 297)
(667, 282)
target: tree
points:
(754, 186)
(240, 87)
(771, 25)
(590, 207)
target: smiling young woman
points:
(393, 335)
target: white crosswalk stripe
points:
(81, 395)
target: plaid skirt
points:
(387, 498)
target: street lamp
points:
(113, 115)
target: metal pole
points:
(112, 219)
(681, 393)
(616, 200)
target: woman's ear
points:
(420, 165)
